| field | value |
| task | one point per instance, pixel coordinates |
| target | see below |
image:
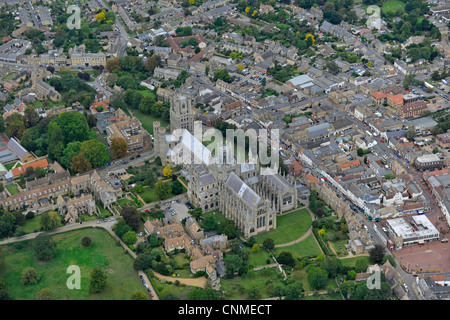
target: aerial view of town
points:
(228, 150)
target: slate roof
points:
(244, 191)
(17, 148)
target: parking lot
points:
(179, 210)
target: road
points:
(37, 25)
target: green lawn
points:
(10, 76)
(32, 225)
(351, 262)
(305, 248)
(237, 288)
(258, 258)
(122, 280)
(12, 188)
(147, 121)
(392, 6)
(290, 227)
(9, 166)
(147, 93)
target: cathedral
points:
(216, 181)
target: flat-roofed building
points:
(418, 229)
(429, 162)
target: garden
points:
(103, 252)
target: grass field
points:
(9, 166)
(147, 121)
(9, 76)
(237, 288)
(305, 248)
(392, 6)
(290, 227)
(12, 188)
(122, 280)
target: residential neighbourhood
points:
(225, 149)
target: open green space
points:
(12, 188)
(10, 165)
(290, 227)
(306, 248)
(392, 6)
(9, 76)
(147, 121)
(122, 280)
(237, 288)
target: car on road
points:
(140, 276)
(143, 280)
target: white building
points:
(417, 230)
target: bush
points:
(30, 276)
(86, 242)
(30, 215)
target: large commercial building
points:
(417, 230)
(429, 162)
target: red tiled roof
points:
(350, 164)
(43, 163)
(378, 95)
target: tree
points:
(98, 280)
(293, 291)
(351, 274)
(153, 240)
(119, 147)
(138, 295)
(163, 190)
(331, 265)
(44, 247)
(113, 64)
(101, 16)
(196, 213)
(50, 220)
(44, 294)
(177, 187)
(240, 67)
(30, 276)
(203, 294)
(129, 237)
(95, 152)
(121, 227)
(5, 229)
(286, 258)
(255, 248)
(151, 63)
(86, 242)
(15, 126)
(411, 133)
(73, 125)
(167, 172)
(30, 116)
(80, 164)
(317, 278)
(268, 244)
(146, 104)
(131, 217)
(223, 75)
(377, 254)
